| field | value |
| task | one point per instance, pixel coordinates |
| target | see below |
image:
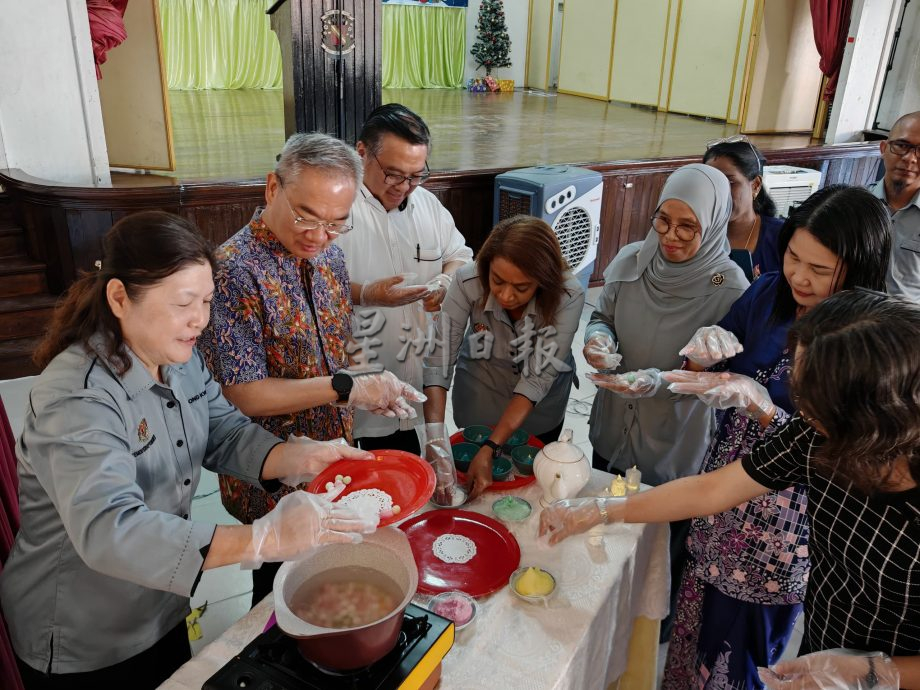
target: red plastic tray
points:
(406, 477)
(509, 485)
(497, 552)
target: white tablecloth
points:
(580, 641)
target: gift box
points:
(506, 84)
(476, 85)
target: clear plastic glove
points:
(711, 345)
(318, 455)
(723, 391)
(601, 352)
(441, 458)
(387, 292)
(301, 522)
(437, 291)
(576, 515)
(384, 394)
(833, 669)
(643, 383)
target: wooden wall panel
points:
(65, 225)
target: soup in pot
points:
(347, 597)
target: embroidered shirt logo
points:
(480, 328)
(718, 279)
(143, 431)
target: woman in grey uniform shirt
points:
(514, 361)
(119, 425)
(656, 294)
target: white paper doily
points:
(367, 501)
(454, 548)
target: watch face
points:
(338, 32)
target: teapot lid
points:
(563, 450)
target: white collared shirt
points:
(421, 238)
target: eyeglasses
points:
(394, 179)
(301, 223)
(899, 147)
(738, 139)
(686, 233)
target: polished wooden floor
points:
(230, 135)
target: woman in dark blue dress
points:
(753, 226)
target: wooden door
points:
(639, 45)
(586, 48)
(783, 86)
(134, 97)
(539, 44)
(706, 53)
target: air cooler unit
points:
(789, 186)
(567, 198)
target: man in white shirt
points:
(900, 190)
(401, 257)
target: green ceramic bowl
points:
(501, 468)
(476, 434)
(518, 438)
(522, 457)
(463, 455)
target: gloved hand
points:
(441, 458)
(437, 291)
(723, 391)
(386, 293)
(643, 383)
(315, 456)
(710, 345)
(601, 352)
(833, 669)
(301, 522)
(384, 394)
(576, 515)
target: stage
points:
(236, 134)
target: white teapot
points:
(561, 469)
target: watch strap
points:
(496, 448)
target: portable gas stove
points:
(273, 662)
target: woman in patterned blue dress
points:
(742, 588)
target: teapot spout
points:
(558, 489)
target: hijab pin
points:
(98, 264)
(718, 279)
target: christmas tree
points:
(492, 48)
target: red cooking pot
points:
(386, 551)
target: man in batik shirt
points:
(281, 317)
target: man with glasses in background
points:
(401, 256)
(280, 326)
(900, 190)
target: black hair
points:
(852, 223)
(395, 119)
(857, 378)
(140, 250)
(749, 161)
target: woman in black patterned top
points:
(855, 447)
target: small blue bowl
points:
(501, 468)
(523, 457)
(476, 434)
(518, 438)
(463, 455)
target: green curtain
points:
(423, 47)
(219, 44)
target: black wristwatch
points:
(342, 384)
(496, 448)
